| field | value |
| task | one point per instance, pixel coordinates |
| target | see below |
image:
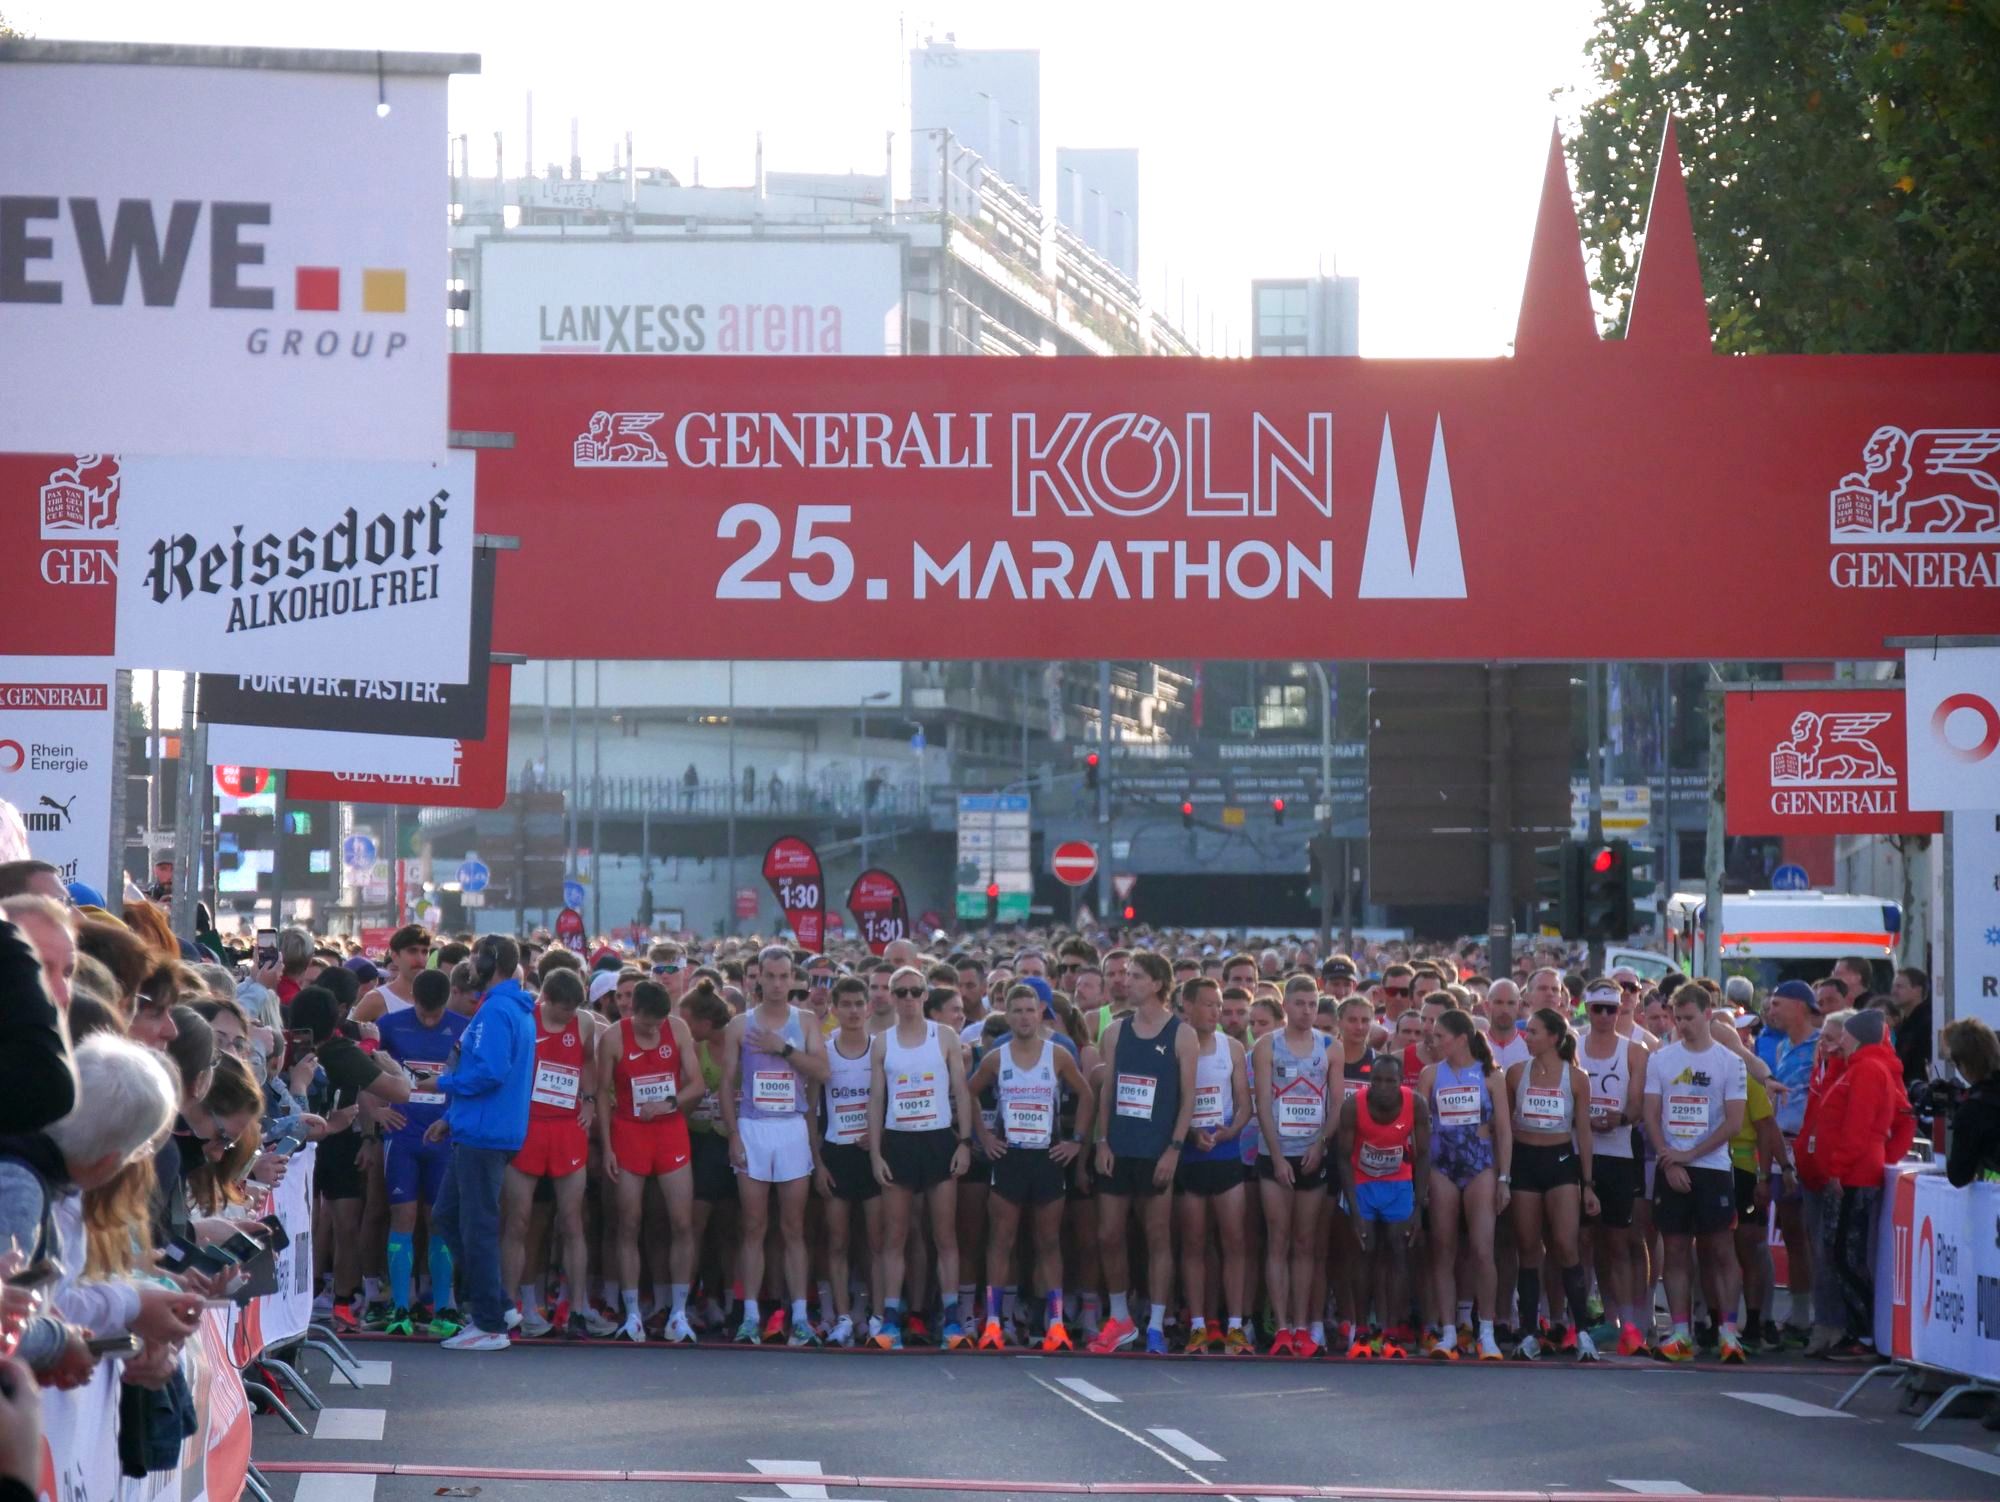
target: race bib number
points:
(850, 1120)
(1606, 1105)
(1135, 1095)
(1351, 1088)
(1029, 1122)
(1687, 1117)
(1207, 1108)
(1301, 1108)
(1458, 1105)
(1542, 1111)
(426, 1098)
(708, 1109)
(556, 1085)
(774, 1090)
(654, 1090)
(1380, 1162)
(913, 1102)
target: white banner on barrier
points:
(1937, 1279)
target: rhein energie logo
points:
(373, 565)
(1930, 491)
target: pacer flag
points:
(204, 253)
(1820, 761)
(57, 726)
(1954, 730)
(251, 566)
(792, 871)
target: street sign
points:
(357, 852)
(473, 875)
(1790, 879)
(573, 894)
(1075, 863)
(746, 902)
(472, 899)
(1122, 884)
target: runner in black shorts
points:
(1211, 1176)
(841, 1171)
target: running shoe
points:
(1631, 1340)
(679, 1332)
(1115, 1336)
(991, 1338)
(1489, 1349)
(1468, 1345)
(916, 1331)
(1560, 1338)
(535, 1324)
(1852, 1352)
(422, 1312)
(574, 1328)
(1443, 1352)
(472, 1338)
(1345, 1334)
(1530, 1349)
(1237, 1343)
(1156, 1342)
(377, 1316)
(842, 1333)
(656, 1324)
(446, 1323)
(597, 1322)
(1730, 1348)
(1206, 1341)
(1303, 1345)
(1586, 1348)
(344, 1321)
(889, 1337)
(633, 1330)
(1771, 1338)
(802, 1334)
(1605, 1334)
(1675, 1348)
(1390, 1351)
(953, 1335)
(748, 1333)
(775, 1325)
(1056, 1337)
(1361, 1350)
(1281, 1344)
(399, 1323)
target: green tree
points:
(1843, 165)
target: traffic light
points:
(1559, 888)
(1277, 810)
(992, 903)
(1187, 813)
(1090, 772)
(1131, 912)
(1607, 903)
(1639, 888)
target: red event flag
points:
(1819, 761)
(880, 911)
(791, 867)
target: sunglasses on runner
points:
(1395, 990)
(908, 991)
(1604, 1006)
(670, 968)
(1628, 985)
(805, 995)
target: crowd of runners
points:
(1145, 1142)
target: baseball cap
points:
(1796, 990)
(363, 969)
(1041, 988)
(1337, 967)
(84, 895)
(603, 984)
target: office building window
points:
(1282, 706)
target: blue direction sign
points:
(1790, 879)
(573, 894)
(473, 875)
(357, 852)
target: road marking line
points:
(799, 1491)
(1657, 1488)
(1192, 1448)
(1779, 1403)
(350, 1423)
(1138, 1439)
(1963, 1455)
(1088, 1390)
(374, 1373)
(328, 1486)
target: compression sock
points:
(402, 1261)
(1119, 1310)
(1528, 1282)
(1578, 1295)
(441, 1289)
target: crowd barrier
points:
(1937, 1278)
(79, 1427)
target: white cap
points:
(603, 984)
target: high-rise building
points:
(1097, 197)
(1305, 315)
(985, 101)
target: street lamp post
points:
(875, 698)
(1325, 811)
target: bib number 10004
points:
(740, 582)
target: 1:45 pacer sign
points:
(1585, 498)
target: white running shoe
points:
(874, 1326)
(598, 1323)
(511, 1319)
(1586, 1348)
(1489, 1349)
(472, 1338)
(1530, 1349)
(632, 1330)
(679, 1331)
(842, 1333)
(534, 1324)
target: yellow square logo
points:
(382, 291)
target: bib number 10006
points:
(740, 580)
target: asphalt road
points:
(1635, 1428)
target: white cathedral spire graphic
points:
(1388, 571)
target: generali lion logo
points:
(1931, 483)
(1832, 750)
(80, 500)
(619, 440)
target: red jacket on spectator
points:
(1869, 1123)
(1812, 1151)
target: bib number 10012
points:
(740, 581)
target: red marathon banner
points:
(1819, 761)
(478, 779)
(792, 870)
(925, 507)
(881, 914)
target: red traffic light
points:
(1187, 808)
(1090, 760)
(1130, 912)
(1277, 805)
(1601, 860)
(993, 891)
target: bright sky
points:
(1403, 142)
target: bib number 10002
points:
(740, 582)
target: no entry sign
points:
(1075, 863)
(910, 507)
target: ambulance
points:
(1779, 936)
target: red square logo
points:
(316, 289)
